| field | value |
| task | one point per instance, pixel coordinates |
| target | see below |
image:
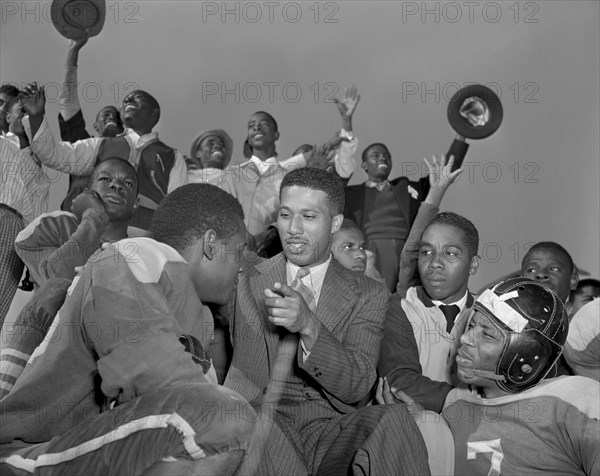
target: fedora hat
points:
(72, 17)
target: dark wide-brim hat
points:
(472, 103)
(215, 132)
(72, 17)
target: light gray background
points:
(536, 179)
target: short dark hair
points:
(189, 211)
(13, 96)
(318, 179)
(125, 164)
(594, 283)
(271, 118)
(151, 99)
(348, 224)
(114, 108)
(364, 153)
(551, 246)
(463, 224)
(10, 90)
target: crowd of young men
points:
(158, 264)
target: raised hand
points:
(33, 99)
(347, 105)
(79, 43)
(440, 178)
(74, 47)
(319, 156)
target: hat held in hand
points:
(72, 17)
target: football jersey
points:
(550, 429)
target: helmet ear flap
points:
(528, 362)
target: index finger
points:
(284, 290)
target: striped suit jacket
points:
(340, 369)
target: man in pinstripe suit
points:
(306, 334)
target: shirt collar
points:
(314, 280)
(378, 185)
(138, 140)
(12, 137)
(263, 165)
(461, 303)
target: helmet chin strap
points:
(485, 374)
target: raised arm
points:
(78, 158)
(68, 102)
(344, 158)
(440, 178)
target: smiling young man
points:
(421, 330)
(129, 382)
(209, 155)
(332, 319)
(160, 168)
(70, 117)
(384, 209)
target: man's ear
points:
(209, 246)
(276, 136)
(135, 205)
(336, 224)
(574, 280)
(364, 166)
(475, 261)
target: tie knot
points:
(450, 312)
(302, 272)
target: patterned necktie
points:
(450, 312)
(304, 290)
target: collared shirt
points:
(314, 280)
(79, 158)
(461, 303)
(24, 184)
(378, 185)
(263, 165)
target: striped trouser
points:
(174, 423)
(21, 337)
(11, 266)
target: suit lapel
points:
(338, 295)
(268, 273)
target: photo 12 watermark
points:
(270, 12)
(90, 92)
(268, 91)
(470, 12)
(488, 172)
(40, 12)
(525, 92)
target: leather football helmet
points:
(536, 322)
